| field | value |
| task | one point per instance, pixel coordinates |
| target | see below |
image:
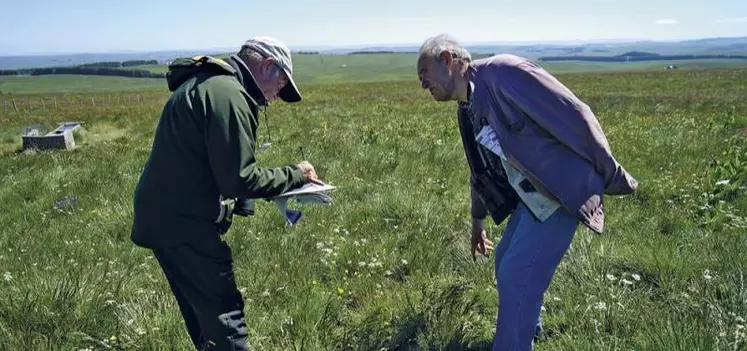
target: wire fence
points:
(21, 104)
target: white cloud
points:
(732, 20)
(666, 21)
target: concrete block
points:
(61, 138)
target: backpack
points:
(181, 69)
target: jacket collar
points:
(470, 88)
(246, 78)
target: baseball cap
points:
(271, 47)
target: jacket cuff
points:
(296, 174)
(477, 208)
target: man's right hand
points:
(309, 173)
(480, 242)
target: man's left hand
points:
(480, 241)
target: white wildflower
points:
(611, 277)
(636, 276)
(7, 276)
(707, 275)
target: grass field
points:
(316, 69)
(387, 267)
(76, 84)
(382, 67)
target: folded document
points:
(309, 188)
(308, 194)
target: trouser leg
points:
(525, 272)
(186, 309)
(500, 251)
(201, 275)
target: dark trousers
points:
(201, 277)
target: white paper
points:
(309, 188)
(489, 139)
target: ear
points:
(267, 64)
(446, 57)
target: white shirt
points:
(541, 206)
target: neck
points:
(462, 86)
(247, 79)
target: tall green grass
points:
(388, 265)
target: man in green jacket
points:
(202, 170)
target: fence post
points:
(44, 107)
(5, 106)
(55, 102)
(14, 104)
(93, 101)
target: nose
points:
(423, 84)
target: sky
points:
(75, 26)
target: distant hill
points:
(44, 61)
(699, 47)
(711, 46)
(638, 54)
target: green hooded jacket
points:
(203, 150)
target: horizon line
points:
(363, 46)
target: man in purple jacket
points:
(537, 154)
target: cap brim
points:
(290, 93)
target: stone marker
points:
(60, 138)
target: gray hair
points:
(250, 55)
(253, 58)
(433, 47)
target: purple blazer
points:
(550, 135)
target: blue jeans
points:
(525, 261)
